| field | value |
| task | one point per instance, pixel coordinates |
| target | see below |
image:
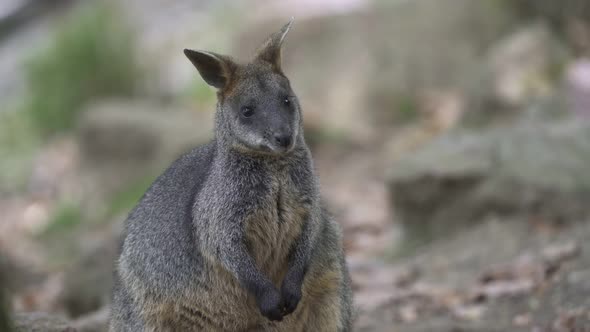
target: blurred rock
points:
(97, 321)
(40, 322)
(521, 65)
(15, 274)
(556, 254)
(88, 282)
(456, 290)
(519, 74)
(442, 112)
(578, 85)
(121, 140)
(578, 36)
(535, 170)
(420, 47)
(128, 130)
(53, 172)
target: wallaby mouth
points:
(269, 146)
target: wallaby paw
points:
(291, 294)
(271, 306)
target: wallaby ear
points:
(270, 51)
(215, 69)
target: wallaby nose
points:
(283, 140)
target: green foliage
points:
(60, 237)
(18, 142)
(67, 217)
(322, 135)
(201, 93)
(92, 55)
(127, 198)
(407, 109)
(413, 241)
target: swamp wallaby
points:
(233, 236)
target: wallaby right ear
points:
(216, 70)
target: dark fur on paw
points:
(291, 294)
(271, 305)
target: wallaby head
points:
(257, 111)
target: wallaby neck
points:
(225, 153)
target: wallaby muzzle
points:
(280, 141)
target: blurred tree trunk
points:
(559, 13)
(5, 324)
(24, 12)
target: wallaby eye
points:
(247, 111)
(286, 101)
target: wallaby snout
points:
(283, 140)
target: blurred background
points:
(452, 140)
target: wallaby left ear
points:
(216, 70)
(270, 51)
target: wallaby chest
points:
(275, 224)
(272, 224)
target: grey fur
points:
(233, 235)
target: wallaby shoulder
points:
(159, 231)
(179, 183)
